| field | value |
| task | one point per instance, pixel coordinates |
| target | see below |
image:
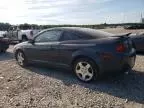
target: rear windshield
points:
(94, 34)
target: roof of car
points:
(73, 28)
(89, 31)
(67, 28)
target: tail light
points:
(31, 33)
(120, 48)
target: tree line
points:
(6, 26)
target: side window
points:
(70, 36)
(49, 36)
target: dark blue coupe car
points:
(88, 52)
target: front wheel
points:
(21, 58)
(3, 50)
(85, 69)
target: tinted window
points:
(70, 36)
(48, 36)
(97, 33)
(93, 34)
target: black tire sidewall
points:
(3, 50)
(25, 59)
(24, 39)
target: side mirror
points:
(31, 41)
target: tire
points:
(24, 38)
(3, 50)
(21, 58)
(85, 69)
(20, 41)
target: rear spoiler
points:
(125, 35)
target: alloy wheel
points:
(20, 58)
(84, 71)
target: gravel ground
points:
(42, 87)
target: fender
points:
(89, 53)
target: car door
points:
(10, 33)
(68, 46)
(45, 47)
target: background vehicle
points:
(4, 44)
(136, 26)
(88, 52)
(138, 39)
(15, 34)
(3, 33)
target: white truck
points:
(15, 34)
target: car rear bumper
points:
(118, 63)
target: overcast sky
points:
(70, 11)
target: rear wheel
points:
(85, 69)
(3, 50)
(24, 38)
(21, 58)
